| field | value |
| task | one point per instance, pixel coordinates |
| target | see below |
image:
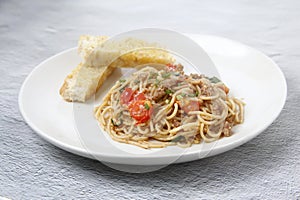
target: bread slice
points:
(83, 81)
(127, 52)
(88, 43)
(99, 61)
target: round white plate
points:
(249, 74)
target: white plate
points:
(249, 74)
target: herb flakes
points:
(168, 91)
(214, 79)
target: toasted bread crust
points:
(65, 87)
(86, 45)
(62, 90)
(86, 79)
(105, 74)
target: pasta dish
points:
(159, 107)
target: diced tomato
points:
(171, 67)
(140, 110)
(127, 96)
(225, 88)
(139, 96)
(189, 105)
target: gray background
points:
(268, 167)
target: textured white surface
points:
(267, 167)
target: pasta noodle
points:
(155, 108)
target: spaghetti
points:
(156, 108)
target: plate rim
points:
(220, 149)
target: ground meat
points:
(197, 76)
(227, 129)
(179, 67)
(169, 83)
(206, 91)
(206, 88)
(159, 94)
(175, 123)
